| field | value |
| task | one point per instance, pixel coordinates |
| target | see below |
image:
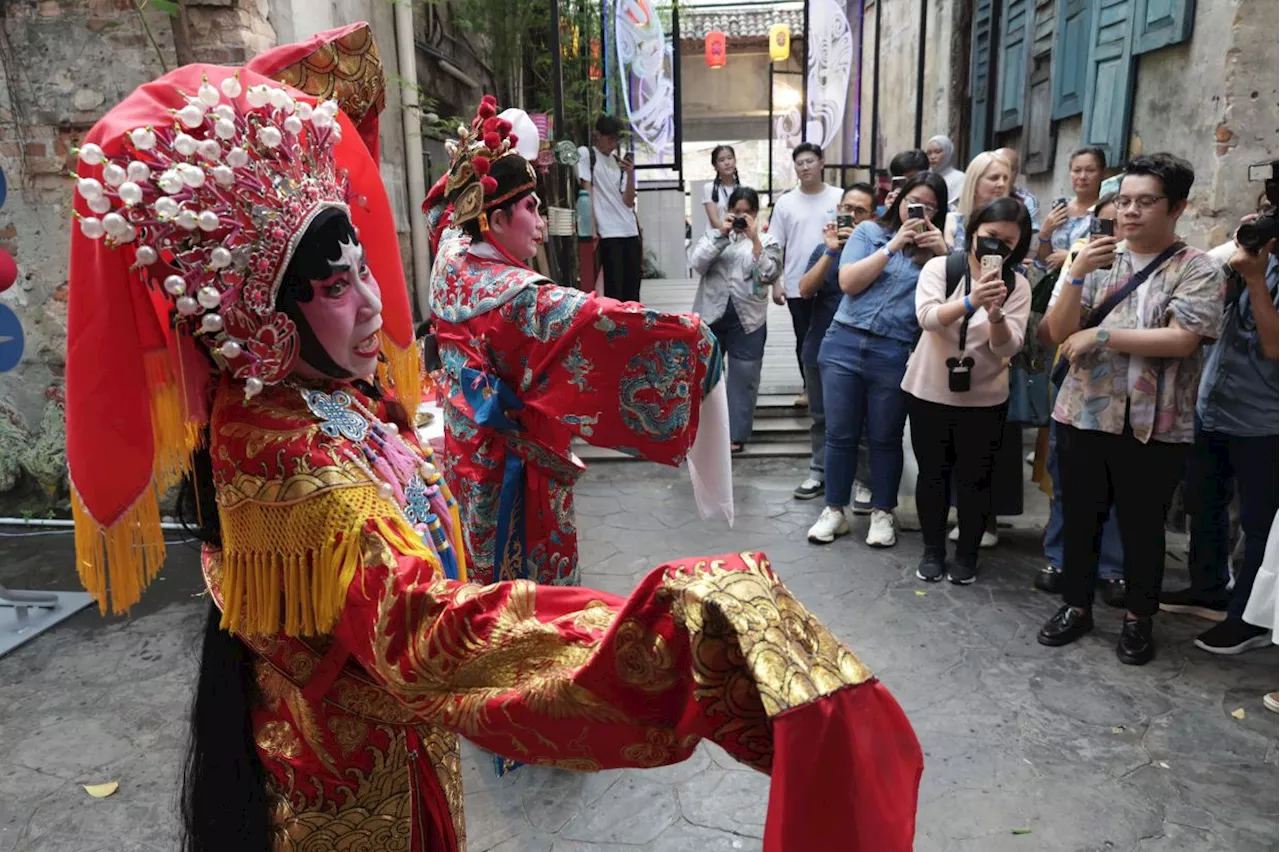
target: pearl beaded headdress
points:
(213, 205)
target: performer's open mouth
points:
(368, 347)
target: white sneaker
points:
(989, 539)
(861, 499)
(831, 524)
(883, 532)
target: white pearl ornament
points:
(223, 175)
(184, 144)
(91, 227)
(209, 149)
(138, 172)
(167, 208)
(114, 224)
(100, 205)
(146, 255)
(89, 188)
(231, 350)
(208, 221)
(171, 181)
(191, 115)
(113, 175)
(143, 138)
(270, 137)
(187, 220)
(304, 111)
(209, 298)
(211, 324)
(174, 285)
(231, 87)
(187, 306)
(208, 95)
(130, 193)
(91, 154)
(257, 96)
(224, 129)
(237, 158)
(252, 386)
(385, 491)
(220, 258)
(293, 124)
(192, 176)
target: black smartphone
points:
(1102, 227)
(897, 182)
(1060, 202)
(844, 220)
(915, 211)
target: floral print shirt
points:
(1161, 397)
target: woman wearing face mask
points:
(1069, 222)
(715, 195)
(864, 354)
(940, 152)
(739, 267)
(344, 650)
(957, 381)
(988, 177)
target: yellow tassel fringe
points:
(116, 564)
(403, 371)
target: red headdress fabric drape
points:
(130, 424)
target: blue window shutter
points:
(980, 77)
(1108, 99)
(1070, 56)
(1015, 45)
(1159, 23)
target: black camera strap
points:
(957, 271)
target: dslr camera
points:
(1254, 236)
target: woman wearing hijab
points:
(940, 152)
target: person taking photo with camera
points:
(1131, 325)
(821, 286)
(864, 354)
(738, 267)
(972, 309)
(1236, 445)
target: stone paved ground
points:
(1086, 753)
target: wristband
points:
(834, 255)
(887, 252)
(1076, 282)
(968, 306)
(1044, 239)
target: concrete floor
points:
(1083, 752)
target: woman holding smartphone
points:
(972, 310)
(864, 353)
(1068, 221)
(989, 176)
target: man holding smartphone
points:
(611, 181)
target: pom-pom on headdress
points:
(213, 204)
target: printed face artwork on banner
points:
(645, 62)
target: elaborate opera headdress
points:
(191, 196)
(485, 172)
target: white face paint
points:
(346, 313)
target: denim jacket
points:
(888, 306)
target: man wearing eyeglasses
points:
(1131, 324)
(797, 222)
(611, 180)
(1236, 447)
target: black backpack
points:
(957, 269)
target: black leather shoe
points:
(1049, 579)
(1112, 593)
(1136, 647)
(1066, 626)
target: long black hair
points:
(1005, 209)
(224, 798)
(891, 219)
(715, 184)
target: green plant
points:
(433, 124)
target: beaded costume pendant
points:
(406, 474)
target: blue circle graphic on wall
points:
(10, 339)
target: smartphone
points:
(991, 263)
(897, 182)
(915, 211)
(844, 220)
(1102, 227)
(1060, 202)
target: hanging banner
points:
(645, 60)
(830, 43)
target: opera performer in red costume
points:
(528, 366)
(237, 309)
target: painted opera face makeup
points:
(345, 314)
(519, 228)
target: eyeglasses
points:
(1143, 202)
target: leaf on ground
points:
(1163, 764)
(920, 594)
(1117, 729)
(101, 791)
(1022, 831)
(1237, 713)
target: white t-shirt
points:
(722, 195)
(796, 223)
(613, 218)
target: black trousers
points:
(801, 315)
(621, 263)
(1099, 469)
(955, 448)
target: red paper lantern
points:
(715, 49)
(8, 271)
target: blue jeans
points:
(818, 430)
(745, 351)
(1111, 557)
(862, 384)
(1220, 464)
